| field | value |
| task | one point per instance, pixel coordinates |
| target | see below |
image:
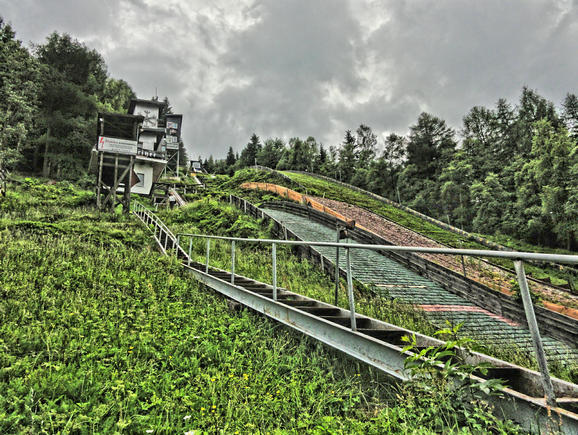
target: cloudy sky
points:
(284, 68)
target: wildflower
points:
(149, 431)
(231, 375)
(213, 379)
(332, 392)
(214, 406)
(131, 347)
(202, 409)
(130, 351)
(186, 417)
(170, 357)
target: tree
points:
(209, 164)
(250, 152)
(18, 99)
(389, 165)
(488, 198)
(116, 96)
(65, 111)
(75, 61)
(554, 160)
(430, 145)
(532, 108)
(456, 179)
(72, 80)
(301, 153)
(570, 114)
(320, 161)
(367, 145)
(230, 160)
(183, 155)
(271, 152)
(348, 155)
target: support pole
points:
(177, 246)
(115, 183)
(537, 340)
(127, 187)
(274, 253)
(99, 181)
(190, 251)
(337, 267)
(178, 159)
(208, 252)
(232, 262)
(350, 292)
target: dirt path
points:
(477, 270)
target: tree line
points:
(510, 169)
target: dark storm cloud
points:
(285, 59)
(299, 68)
(452, 55)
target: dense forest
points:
(511, 169)
(49, 98)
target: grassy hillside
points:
(99, 333)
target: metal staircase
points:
(372, 341)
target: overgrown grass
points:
(254, 260)
(300, 276)
(99, 333)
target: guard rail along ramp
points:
(554, 318)
(483, 241)
(533, 399)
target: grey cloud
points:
(37, 19)
(299, 68)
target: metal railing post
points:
(533, 326)
(190, 250)
(207, 259)
(337, 268)
(274, 254)
(177, 245)
(232, 262)
(350, 292)
(166, 239)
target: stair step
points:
(321, 311)
(299, 304)
(389, 335)
(269, 294)
(254, 287)
(260, 290)
(346, 320)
